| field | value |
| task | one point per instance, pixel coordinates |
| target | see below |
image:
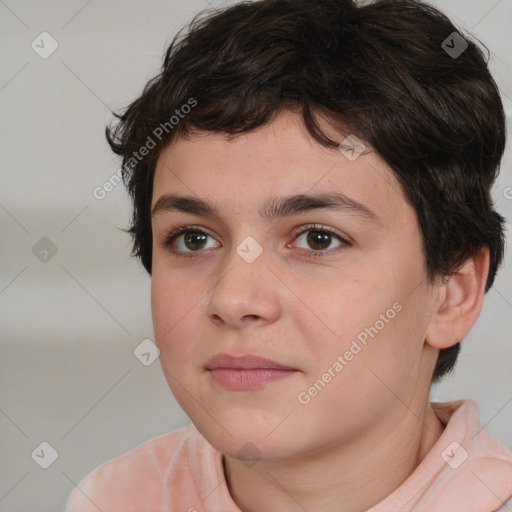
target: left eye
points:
(187, 240)
(320, 238)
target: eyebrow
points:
(274, 208)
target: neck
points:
(357, 475)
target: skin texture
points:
(364, 433)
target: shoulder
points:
(132, 480)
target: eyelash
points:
(169, 239)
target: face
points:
(336, 297)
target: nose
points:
(246, 293)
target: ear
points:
(460, 302)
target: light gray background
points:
(69, 326)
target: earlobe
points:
(460, 302)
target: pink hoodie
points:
(467, 470)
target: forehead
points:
(242, 174)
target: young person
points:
(311, 187)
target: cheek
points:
(338, 308)
(175, 310)
(367, 320)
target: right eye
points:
(186, 237)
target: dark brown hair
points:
(382, 71)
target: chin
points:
(246, 434)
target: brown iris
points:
(194, 240)
(316, 238)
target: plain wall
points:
(69, 325)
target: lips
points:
(245, 372)
(244, 362)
